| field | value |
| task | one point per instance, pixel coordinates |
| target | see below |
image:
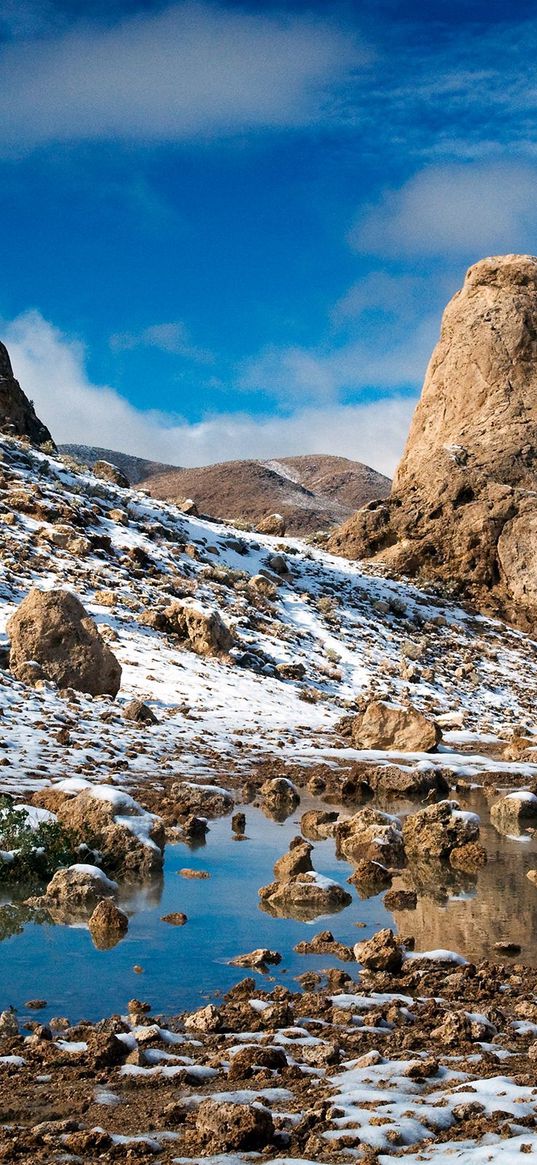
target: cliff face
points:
(17, 412)
(463, 507)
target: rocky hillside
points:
(463, 508)
(159, 670)
(311, 493)
(244, 645)
(136, 469)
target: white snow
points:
(94, 872)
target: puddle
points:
(183, 966)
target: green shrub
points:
(39, 851)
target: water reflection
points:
(470, 913)
(183, 966)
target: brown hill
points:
(463, 509)
(311, 492)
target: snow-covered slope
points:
(351, 630)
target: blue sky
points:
(230, 229)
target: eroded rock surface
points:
(371, 835)
(433, 833)
(463, 508)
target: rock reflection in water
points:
(469, 913)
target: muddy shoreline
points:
(425, 1037)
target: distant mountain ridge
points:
(312, 492)
(135, 468)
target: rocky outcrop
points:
(463, 508)
(258, 960)
(17, 413)
(406, 782)
(386, 726)
(109, 472)
(205, 631)
(139, 713)
(76, 888)
(52, 629)
(280, 797)
(187, 798)
(299, 892)
(371, 836)
(129, 840)
(433, 833)
(304, 897)
(296, 861)
(223, 1127)
(515, 811)
(382, 952)
(273, 524)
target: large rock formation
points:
(52, 629)
(17, 413)
(463, 508)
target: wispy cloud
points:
(381, 360)
(51, 369)
(190, 70)
(466, 210)
(173, 338)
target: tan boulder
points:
(463, 508)
(224, 1127)
(279, 798)
(372, 836)
(511, 813)
(188, 798)
(109, 472)
(296, 861)
(206, 632)
(382, 952)
(432, 833)
(79, 886)
(258, 960)
(52, 629)
(273, 524)
(139, 713)
(126, 852)
(405, 782)
(386, 726)
(107, 925)
(304, 897)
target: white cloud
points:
(173, 338)
(389, 358)
(193, 69)
(463, 210)
(51, 369)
